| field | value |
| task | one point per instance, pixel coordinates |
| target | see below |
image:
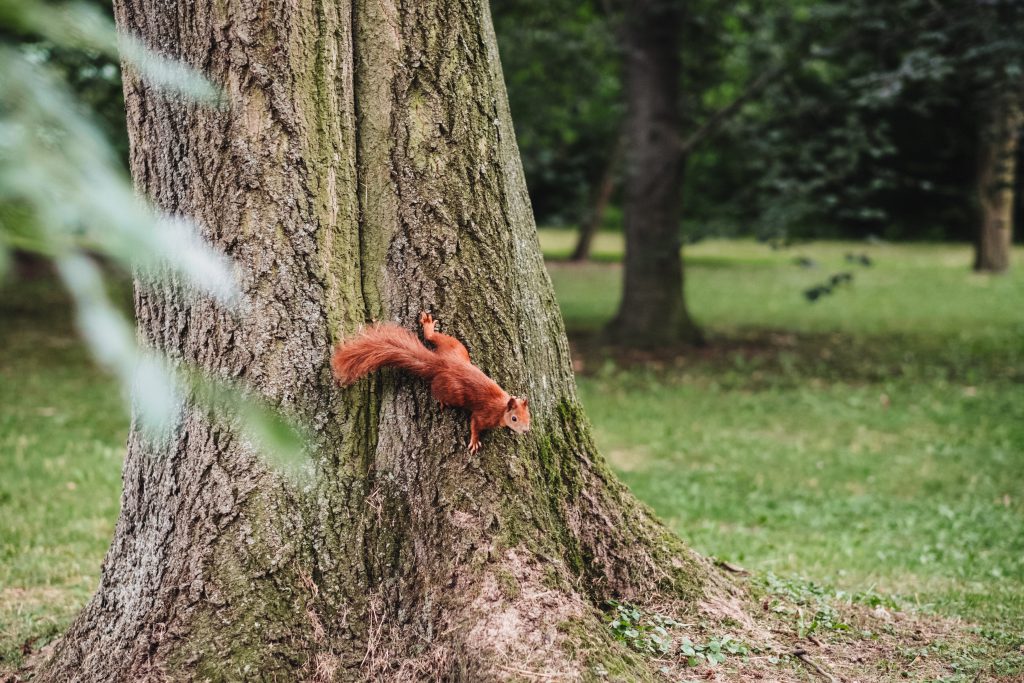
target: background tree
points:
(653, 311)
(599, 200)
(908, 100)
(995, 58)
(677, 58)
(997, 180)
(364, 168)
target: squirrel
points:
(454, 380)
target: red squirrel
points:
(454, 380)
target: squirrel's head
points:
(517, 415)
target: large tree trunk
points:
(997, 179)
(364, 169)
(653, 309)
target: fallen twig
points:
(802, 656)
(729, 567)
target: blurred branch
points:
(715, 122)
(65, 198)
(601, 194)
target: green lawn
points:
(62, 435)
(872, 439)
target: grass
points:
(62, 433)
(872, 440)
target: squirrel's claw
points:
(474, 446)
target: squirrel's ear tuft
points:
(511, 403)
(526, 401)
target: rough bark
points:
(601, 196)
(364, 169)
(996, 183)
(653, 309)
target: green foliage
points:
(896, 94)
(65, 197)
(713, 652)
(644, 632)
(814, 610)
(892, 91)
(652, 634)
(869, 123)
(561, 65)
(563, 62)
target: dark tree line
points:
(895, 94)
(813, 119)
(785, 120)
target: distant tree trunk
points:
(996, 183)
(600, 197)
(365, 169)
(653, 309)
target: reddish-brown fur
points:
(454, 380)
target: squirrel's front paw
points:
(426, 318)
(474, 446)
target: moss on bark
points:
(366, 169)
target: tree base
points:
(991, 268)
(519, 626)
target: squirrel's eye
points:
(515, 419)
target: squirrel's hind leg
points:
(442, 342)
(427, 323)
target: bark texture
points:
(653, 309)
(996, 184)
(364, 169)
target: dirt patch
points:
(32, 597)
(521, 617)
(628, 459)
(761, 355)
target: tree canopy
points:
(894, 93)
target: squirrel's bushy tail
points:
(382, 345)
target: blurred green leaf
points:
(65, 196)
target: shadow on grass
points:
(752, 358)
(712, 262)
